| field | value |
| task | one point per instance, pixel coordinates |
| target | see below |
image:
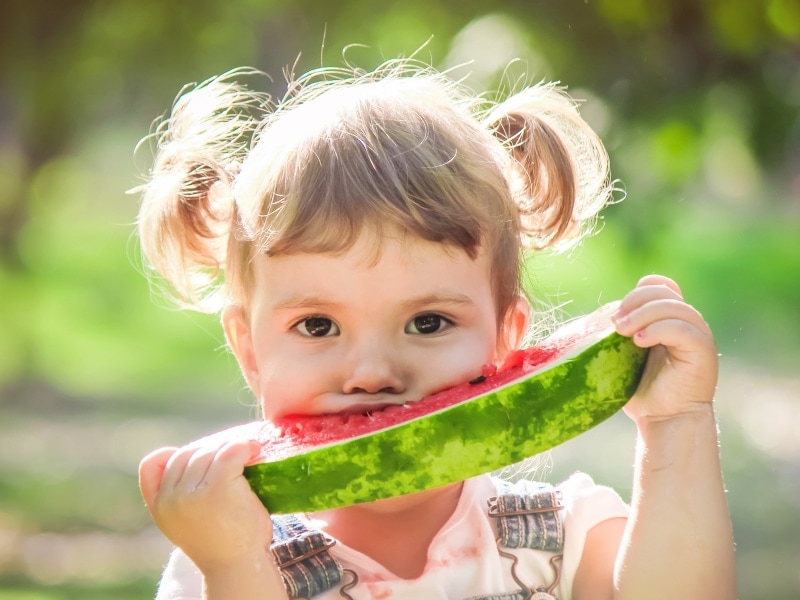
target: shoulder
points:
(584, 505)
(582, 499)
(593, 523)
(587, 503)
(596, 520)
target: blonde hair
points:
(402, 147)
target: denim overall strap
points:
(307, 567)
(527, 516)
(518, 595)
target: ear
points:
(515, 326)
(237, 333)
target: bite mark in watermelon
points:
(537, 399)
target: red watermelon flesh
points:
(538, 398)
(296, 434)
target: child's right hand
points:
(199, 498)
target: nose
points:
(374, 369)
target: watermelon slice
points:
(539, 398)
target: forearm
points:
(256, 577)
(678, 543)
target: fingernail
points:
(255, 450)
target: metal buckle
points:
(558, 504)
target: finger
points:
(683, 341)
(196, 470)
(656, 279)
(644, 294)
(656, 311)
(675, 334)
(176, 466)
(255, 452)
(151, 473)
(230, 460)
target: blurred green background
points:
(697, 102)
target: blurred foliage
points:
(17, 589)
(697, 102)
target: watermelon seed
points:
(478, 379)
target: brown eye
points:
(317, 327)
(427, 324)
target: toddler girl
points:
(362, 239)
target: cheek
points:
(281, 392)
(463, 361)
(292, 384)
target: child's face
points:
(330, 333)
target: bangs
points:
(382, 162)
(391, 173)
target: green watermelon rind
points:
(488, 432)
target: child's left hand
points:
(681, 372)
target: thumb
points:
(151, 472)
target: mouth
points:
(358, 411)
(354, 415)
(369, 410)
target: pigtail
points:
(188, 211)
(558, 173)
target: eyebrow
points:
(298, 302)
(437, 298)
(411, 304)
